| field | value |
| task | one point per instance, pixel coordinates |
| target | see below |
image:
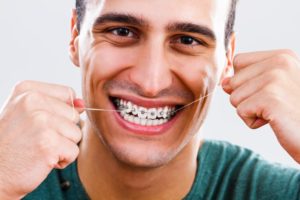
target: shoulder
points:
(239, 172)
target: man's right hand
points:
(38, 132)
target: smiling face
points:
(149, 59)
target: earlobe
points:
(73, 46)
(228, 68)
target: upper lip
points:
(148, 103)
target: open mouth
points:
(151, 116)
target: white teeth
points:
(155, 122)
(149, 122)
(165, 112)
(137, 120)
(130, 118)
(142, 113)
(134, 110)
(123, 113)
(128, 107)
(143, 116)
(161, 121)
(160, 113)
(143, 122)
(126, 117)
(152, 113)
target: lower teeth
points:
(143, 122)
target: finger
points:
(226, 85)
(275, 65)
(245, 59)
(31, 102)
(67, 129)
(68, 152)
(62, 109)
(248, 73)
(255, 111)
(63, 93)
(249, 88)
(79, 105)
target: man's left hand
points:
(265, 89)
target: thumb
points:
(79, 105)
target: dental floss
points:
(185, 106)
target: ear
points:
(228, 69)
(73, 46)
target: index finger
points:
(245, 59)
(60, 92)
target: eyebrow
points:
(172, 27)
(192, 28)
(120, 18)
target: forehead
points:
(159, 13)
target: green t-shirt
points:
(225, 171)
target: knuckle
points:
(22, 86)
(282, 60)
(70, 92)
(75, 154)
(68, 157)
(288, 52)
(240, 111)
(77, 135)
(270, 89)
(31, 99)
(237, 59)
(233, 100)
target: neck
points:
(104, 177)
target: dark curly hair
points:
(81, 8)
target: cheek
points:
(105, 60)
(198, 74)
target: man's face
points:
(151, 57)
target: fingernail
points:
(225, 81)
(225, 84)
(78, 103)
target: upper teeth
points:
(145, 113)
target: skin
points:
(39, 129)
(38, 133)
(265, 90)
(151, 65)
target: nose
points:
(152, 72)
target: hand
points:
(265, 89)
(38, 132)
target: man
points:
(151, 58)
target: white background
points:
(34, 36)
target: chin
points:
(137, 155)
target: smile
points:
(139, 115)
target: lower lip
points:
(145, 130)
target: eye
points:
(188, 44)
(123, 32)
(187, 40)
